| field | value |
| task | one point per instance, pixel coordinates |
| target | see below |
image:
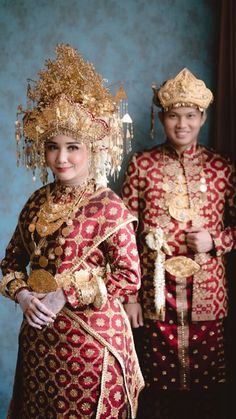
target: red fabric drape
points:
(225, 98)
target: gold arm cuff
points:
(90, 291)
(11, 282)
(101, 296)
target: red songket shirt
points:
(191, 329)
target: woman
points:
(76, 353)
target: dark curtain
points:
(225, 96)
(224, 141)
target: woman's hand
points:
(135, 314)
(36, 313)
(54, 301)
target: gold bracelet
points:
(89, 290)
(101, 296)
(11, 282)
(15, 286)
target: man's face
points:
(182, 126)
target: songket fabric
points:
(184, 346)
(84, 365)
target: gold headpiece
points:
(70, 98)
(184, 90)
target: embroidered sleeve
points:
(123, 280)
(225, 239)
(13, 266)
(121, 277)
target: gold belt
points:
(181, 266)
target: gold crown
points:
(184, 90)
(69, 98)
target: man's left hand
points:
(199, 240)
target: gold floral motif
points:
(180, 204)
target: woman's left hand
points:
(54, 301)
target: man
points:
(184, 196)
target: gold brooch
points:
(181, 266)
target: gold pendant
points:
(43, 261)
(58, 250)
(181, 266)
(44, 228)
(31, 228)
(180, 214)
(179, 201)
(66, 231)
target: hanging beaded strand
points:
(18, 137)
(122, 101)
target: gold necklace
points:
(53, 214)
(50, 218)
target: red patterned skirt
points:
(64, 372)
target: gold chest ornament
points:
(59, 208)
(177, 196)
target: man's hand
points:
(199, 240)
(135, 314)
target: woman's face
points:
(68, 159)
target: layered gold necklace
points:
(52, 214)
(59, 208)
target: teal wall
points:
(134, 41)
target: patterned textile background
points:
(132, 41)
